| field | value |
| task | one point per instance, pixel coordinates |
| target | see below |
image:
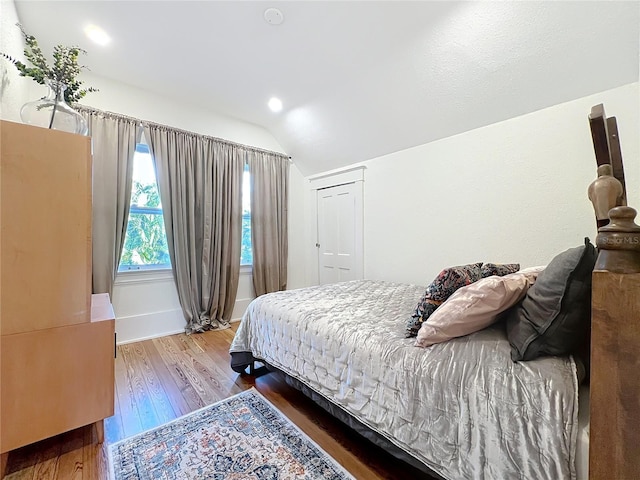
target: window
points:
(246, 254)
(145, 243)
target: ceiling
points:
(357, 79)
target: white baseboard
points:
(150, 337)
(239, 308)
(137, 328)
(149, 325)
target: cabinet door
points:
(55, 380)
(45, 253)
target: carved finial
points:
(619, 242)
(605, 192)
(621, 219)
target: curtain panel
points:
(114, 140)
(200, 183)
(269, 222)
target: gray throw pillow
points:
(555, 314)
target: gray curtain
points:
(114, 140)
(200, 183)
(269, 236)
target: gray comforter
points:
(463, 408)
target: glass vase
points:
(51, 111)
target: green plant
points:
(145, 241)
(64, 69)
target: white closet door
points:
(339, 255)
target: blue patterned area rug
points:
(243, 437)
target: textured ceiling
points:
(357, 79)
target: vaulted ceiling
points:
(357, 79)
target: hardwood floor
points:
(161, 379)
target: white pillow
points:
(476, 306)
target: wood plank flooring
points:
(161, 379)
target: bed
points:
(461, 408)
(457, 410)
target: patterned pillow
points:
(475, 306)
(499, 269)
(447, 282)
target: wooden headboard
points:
(614, 443)
(606, 144)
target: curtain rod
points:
(143, 123)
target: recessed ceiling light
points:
(273, 16)
(275, 104)
(97, 34)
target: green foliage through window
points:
(246, 253)
(145, 243)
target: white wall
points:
(296, 269)
(146, 304)
(146, 105)
(514, 191)
(13, 88)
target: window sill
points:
(143, 276)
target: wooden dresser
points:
(57, 340)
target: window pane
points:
(246, 254)
(144, 188)
(246, 191)
(145, 243)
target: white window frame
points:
(145, 272)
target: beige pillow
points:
(475, 306)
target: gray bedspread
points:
(463, 408)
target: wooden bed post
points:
(606, 144)
(614, 443)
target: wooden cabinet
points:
(57, 340)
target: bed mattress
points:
(462, 408)
(582, 447)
